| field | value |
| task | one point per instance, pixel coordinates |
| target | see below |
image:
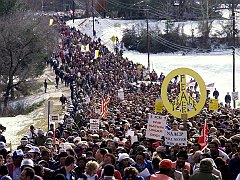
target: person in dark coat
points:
(67, 170)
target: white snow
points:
(214, 67)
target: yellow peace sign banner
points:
(184, 104)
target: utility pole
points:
(234, 43)
(73, 6)
(148, 38)
(93, 19)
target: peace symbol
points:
(184, 104)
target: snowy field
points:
(215, 67)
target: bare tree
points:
(25, 41)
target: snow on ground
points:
(215, 67)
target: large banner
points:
(155, 127)
(175, 137)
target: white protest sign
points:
(97, 111)
(155, 127)
(175, 137)
(54, 118)
(235, 96)
(130, 133)
(94, 124)
(121, 94)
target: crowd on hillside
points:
(70, 150)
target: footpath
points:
(17, 127)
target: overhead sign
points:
(213, 104)
(54, 118)
(184, 103)
(94, 124)
(155, 127)
(175, 138)
(235, 96)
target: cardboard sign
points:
(94, 124)
(175, 137)
(54, 118)
(158, 105)
(155, 127)
(213, 104)
(235, 96)
(121, 94)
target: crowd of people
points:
(71, 150)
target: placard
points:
(155, 127)
(213, 104)
(121, 94)
(235, 96)
(175, 137)
(94, 124)
(54, 118)
(158, 105)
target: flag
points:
(210, 86)
(203, 139)
(104, 106)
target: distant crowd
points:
(72, 150)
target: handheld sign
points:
(175, 138)
(94, 124)
(183, 101)
(213, 104)
(155, 127)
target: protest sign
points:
(234, 96)
(175, 137)
(213, 104)
(121, 94)
(158, 105)
(155, 126)
(54, 118)
(94, 124)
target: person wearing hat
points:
(61, 157)
(23, 143)
(123, 162)
(67, 169)
(14, 168)
(35, 152)
(205, 171)
(165, 169)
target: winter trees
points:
(25, 41)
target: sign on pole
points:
(94, 124)
(155, 127)
(54, 118)
(235, 96)
(175, 138)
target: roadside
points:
(17, 126)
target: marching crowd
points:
(72, 150)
